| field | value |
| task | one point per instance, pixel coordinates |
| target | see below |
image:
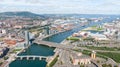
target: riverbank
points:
(55, 34)
(12, 57)
(23, 52)
(51, 61)
(40, 50)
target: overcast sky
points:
(62, 6)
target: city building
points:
(20, 45)
(1, 51)
(79, 58)
(10, 42)
(27, 38)
(98, 36)
(93, 55)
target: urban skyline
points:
(59, 33)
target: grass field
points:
(73, 38)
(93, 28)
(114, 56)
(105, 55)
(103, 48)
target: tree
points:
(82, 65)
(1, 63)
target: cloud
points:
(62, 6)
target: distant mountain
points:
(21, 14)
(45, 16)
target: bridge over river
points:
(52, 44)
(33, 57)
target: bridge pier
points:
(47, 59)
(39, 58)
(21, 58)
(33, 58)
(27, 58)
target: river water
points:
(47, 51)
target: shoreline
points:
(22, 50)
(56, 50)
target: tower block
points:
(93, 55)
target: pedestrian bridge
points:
(33, 57)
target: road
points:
(64, 60)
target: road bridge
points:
(52, 44)
(33, 57)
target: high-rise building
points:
(93, 55)
(27, 38)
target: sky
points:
(62, 6)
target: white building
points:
(20, 45)
(98, 36)
(2, 31)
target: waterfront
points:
(46, 51)
(38, 51)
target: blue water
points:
(46, 51)
(28, 63)
(36, 49)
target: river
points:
(47, 51)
